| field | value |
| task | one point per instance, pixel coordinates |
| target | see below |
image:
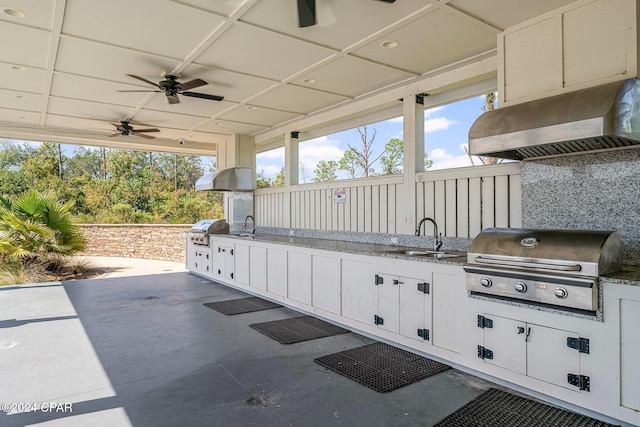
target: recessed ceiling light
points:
(251, 107)
(388, 44)
(22, 97)
(218, 123)
(309, 81)
(18, 68)
(14, 13)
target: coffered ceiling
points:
(63, 63)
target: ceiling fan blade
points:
(115, 134)
(306, 13)
(142, 135)
(192, 84)
(203, 96)
(148, 91)
(144, 80)
(173, 99)
(147, 130)
(389, 1)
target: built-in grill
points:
(556, 267)
(199, 233)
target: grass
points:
(43, 270)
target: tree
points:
(391, 160)
(263, 181)
(325, 171)
(84, 162)
(349, 163)
(279, 179)
(36, 225)
(304, 175)
(364, 156)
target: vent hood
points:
(601, 117)
(232, 179)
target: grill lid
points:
(577, 252)
(211, 226)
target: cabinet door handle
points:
(397, 282)
(520, 330)
(528, 333)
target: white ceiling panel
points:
(11, 115)
(234, 87)
(169, 120)
(36, 13)
(24, 46)
(91, 89)
(22, 101)
(83, 57)
(439, 38)
(203, 137)
(340, 23)
(258, 116)
(189, 106)
(25, 79)
(86, 109)
(297, 99)
(351, 76)
(226, 127)
(81, 125)
(159, 27)
(220, 7)
(259, 52)
(496, 14)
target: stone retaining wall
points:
(152, 241)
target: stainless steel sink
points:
(422, 253)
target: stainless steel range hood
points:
(602, 117)
(232, 179)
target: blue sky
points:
(446, 132)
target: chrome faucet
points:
(253, 223)
(437, 237)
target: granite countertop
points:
(373, 249)
(630, 275)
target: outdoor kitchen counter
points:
(372, 249)
(630, 276)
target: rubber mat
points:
(381, 367)
(242, 305)
(499, 408)
(298, 329)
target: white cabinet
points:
(258, 267)
(326, 283)
(359, 294)
(388, 313)
(629, 351)
(548, 354)
(416, 309)
(299, 277)
(198, 258)
(277, 271)
(241, 260)
(223, 260)
(448, 293)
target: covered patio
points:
(145, 351)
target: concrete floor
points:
(145, 351)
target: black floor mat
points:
(381, 367)
(499, 408)
(298, 329)
(242, 305)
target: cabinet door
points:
(241, 263)
(229, 263)
(299, 277)
(389, 302)
(277, 271)
(506, 339)
(629, 350)
(415, 307)
(326, 283)
(220, 260)
(359, 293)
(449, 291)
(548, 357)
(258, 267)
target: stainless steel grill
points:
(556, 267)
(199, 233)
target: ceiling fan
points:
(172, 88)
(124, 128)
(307, 12)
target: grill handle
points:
(527, 264)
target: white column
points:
(291, 156)
(413, 131)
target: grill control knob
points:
(486, 282)
(521, 287)
(561, 293)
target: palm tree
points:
(36, 226)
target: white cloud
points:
(431, 111)
(315, 150)
(451, 162)
(395, 120)
(437, 123)
(278, 153)
(439, 154)
(269, 170)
